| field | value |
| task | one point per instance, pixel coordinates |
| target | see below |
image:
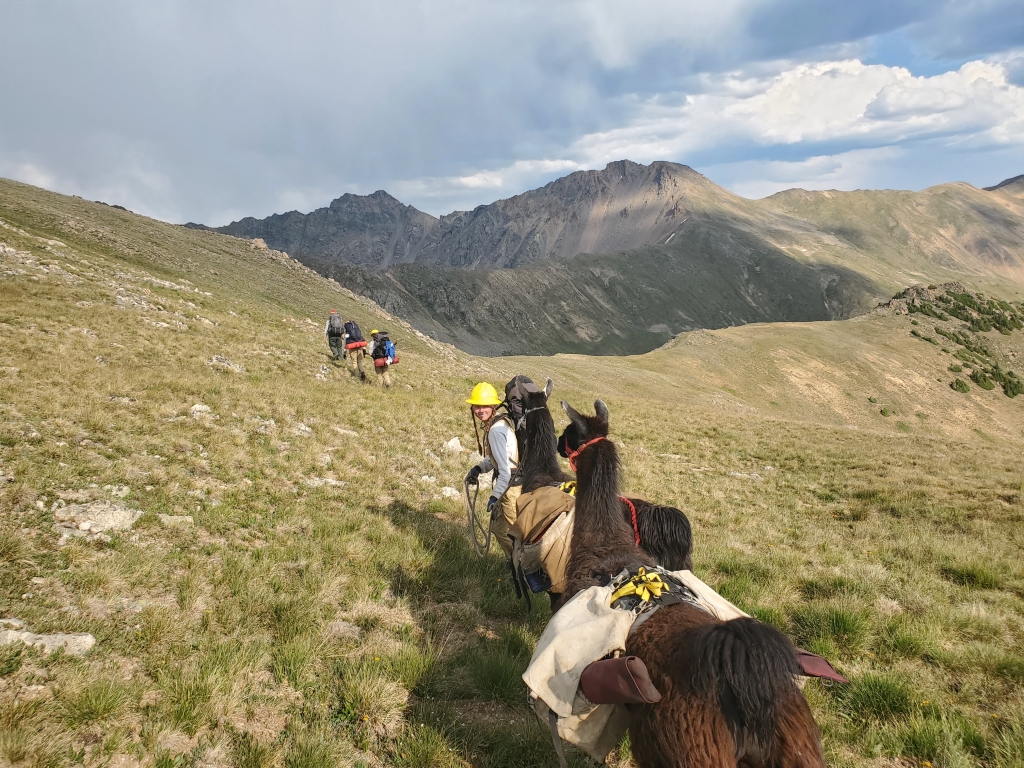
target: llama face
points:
(582, 428)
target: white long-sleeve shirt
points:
(501, 439)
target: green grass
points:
(298, 625)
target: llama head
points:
(538, 398)
(582, 428)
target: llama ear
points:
(549, 387)
(601, 410)
(574, 416)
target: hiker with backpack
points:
(383, 353)
(500, 449)
(355, 347)
(334, 332)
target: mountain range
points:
(619, 260)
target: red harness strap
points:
(632, 514)
(572, 456)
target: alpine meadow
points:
(270, 556)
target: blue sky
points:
(199, 111)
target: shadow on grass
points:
(472, 699)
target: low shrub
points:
(981, 378)
(959, 385)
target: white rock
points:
(175, 520)
(120, 491)
(450, 493)
(219, 361)
(200, 411)
(77, 644)
(264, 426)
(453, 446)
(301, 430)
(428, 479)
(93, 520)
(432, 456)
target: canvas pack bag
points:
(541, 536)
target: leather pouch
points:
(624, 680)
(814, 665)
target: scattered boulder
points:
(200, 411)
(93, 521)
(453, 446)
(120, 491)
(428, 479)
(76, 644)
(265, 426)
(451, 493)
(219, 361)
(301, 430)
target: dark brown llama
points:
(728, 691)
(664, 532)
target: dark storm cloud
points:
(210, 111)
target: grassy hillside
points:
(323, 606)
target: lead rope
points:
(632, 514)
(555, 738)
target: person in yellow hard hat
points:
(500, 453)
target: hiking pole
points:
(476, 530)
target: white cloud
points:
(828, 102)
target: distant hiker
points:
(500, 450)
(334, 332)
(355, 346)
(383, 353)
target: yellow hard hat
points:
(484, 394)
(374, 331)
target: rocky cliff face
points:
(619, 260)
(373, 231)
(625, 206)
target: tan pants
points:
(355, 362)
(507, 518)
(383, 377)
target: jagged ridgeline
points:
(620, 260)
(950, 302)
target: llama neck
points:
(540, 465)
(599, 519)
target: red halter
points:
(572, 456)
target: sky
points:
(211, 111)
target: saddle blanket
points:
(584, 630)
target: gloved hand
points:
(474, 476)
(494, 508)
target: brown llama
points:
(664, 532)
(728, 691)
